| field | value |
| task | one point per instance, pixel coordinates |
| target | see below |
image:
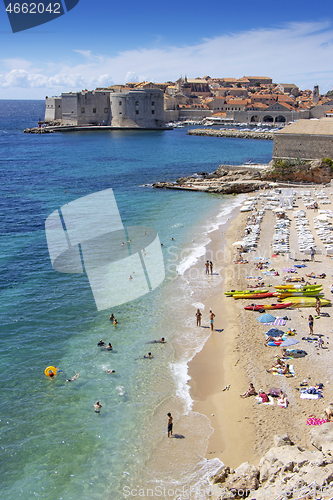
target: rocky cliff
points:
(285, 471)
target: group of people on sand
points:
(198, 315)
(281, 401)
(209, 266)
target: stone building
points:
(305, 139)
(262, 80)
(53, 109)
(86, 108)
(137, 108)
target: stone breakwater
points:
(239, 134)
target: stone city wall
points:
(305, 147)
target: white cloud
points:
(297, 53)
(131, 77)
(86, 53)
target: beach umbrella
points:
(322, 217)
(238, 243)
(274, 332)
(266, 318)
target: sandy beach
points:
(237, 355)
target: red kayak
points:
(259, 307)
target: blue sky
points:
(101, 43)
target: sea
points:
(53, 445)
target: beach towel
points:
(288, 342)
(290, 374)
(277, 322)
(289, 270)
(310, 396)
(295, 353)
(313, 420)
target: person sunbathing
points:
(329, 412)
(274, 339)
(250, 392)
(282, 400)
(285, 370)
(313, 275)
(278, 364)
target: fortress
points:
(136, 109)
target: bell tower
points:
(315, 95)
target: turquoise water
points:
(53, 445)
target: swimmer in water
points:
(161, 341)
(115, 322)
(101, 343)
(109, 347)
(73, 378)
(110, 371)
(112, 317)
(97, 407)
(148, 356)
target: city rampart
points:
(137, 109)
(309, 147)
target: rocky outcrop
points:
(322, 438)
(37, 130)
(286, 471)
(315, 171)
(240, 134)
(231, 179)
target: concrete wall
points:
(305, 147)
(138, 109)
(53, 108)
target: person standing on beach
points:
(170, 424)
(312, 253)
(211, 320)
(318, 306)
(198, 315)
(211, 267)
(207, 266)
(310, 319)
